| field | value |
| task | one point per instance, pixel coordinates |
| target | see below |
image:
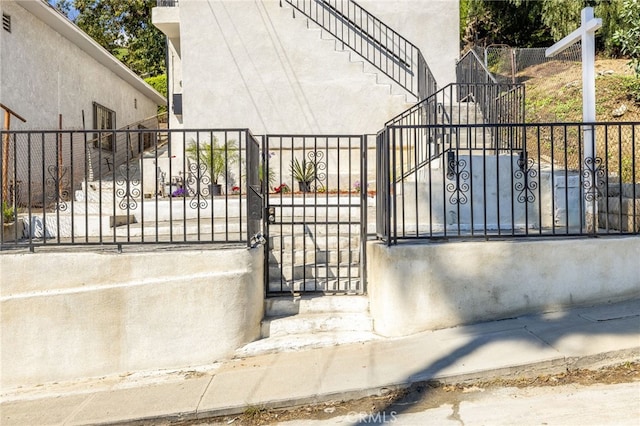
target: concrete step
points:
(319, 214)
(327, 256)
(302, 242)
(465, 113)
(102, 199)
(161, 209)
(314, 323)
(314, 271)
(298, 342)
(343, 285)
(92, 225)
(309, 304)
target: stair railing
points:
(119, 147)
(440, 115)
(478, 84)
(373, 40)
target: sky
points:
(73, 13)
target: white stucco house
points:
(50, 67)
(53, 75)
(268, 66)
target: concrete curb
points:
(553, 366)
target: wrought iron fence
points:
(373, 40)
(471, 70)
(150, 186)
(468, 103)
(167, 3)
(317, 213)
(485, 103)
(544, 186)
(502, 102)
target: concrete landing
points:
(523, 346)
(307, 322)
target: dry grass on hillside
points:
(554, 95)
(554, 91)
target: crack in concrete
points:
(204, 392)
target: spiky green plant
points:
(216, 158)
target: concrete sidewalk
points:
(523, 346)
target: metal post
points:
(5, 147)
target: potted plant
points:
(9, 231)
(304, 172)
(217, 159)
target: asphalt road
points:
(599, 404)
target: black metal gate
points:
(316, 213)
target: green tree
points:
(64, 6)
(628, 37)
(533, 23)
(609, 11)
(513, 22)
(124, 28)
(159, 82)
(562, 17)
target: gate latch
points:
(271, 215)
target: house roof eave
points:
(50, 16)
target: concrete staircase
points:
(294, 323)
(351, 63)
(102, 209)
(310, 251)
(303, 259)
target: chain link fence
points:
(505, 62)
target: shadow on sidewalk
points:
(574, 327)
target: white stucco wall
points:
(174, 84)
(416, 287)
(44, 74)
(251, 65)
(432, 25)
(119, 313)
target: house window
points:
(6, 22)
(146, 140)
(104, 119)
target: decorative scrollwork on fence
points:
(593, 178)
(320, 167)
(128, 186)
(525, 182)
(198, 184)
(58, 187)
(456, 171)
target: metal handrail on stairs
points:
(500, 103)
(116, 147)
(373, 40)
(438, 115)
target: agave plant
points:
(304, 171)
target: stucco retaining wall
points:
(66, 316)
(415, 287)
